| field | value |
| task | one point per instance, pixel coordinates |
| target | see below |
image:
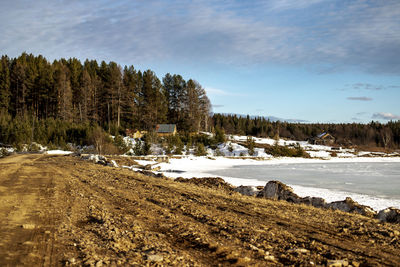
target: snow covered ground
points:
(58, 152)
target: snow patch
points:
(58, 152)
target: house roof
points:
(325, 135)
(165, 128)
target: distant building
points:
(166, 129)
(322, 139)
(135, 133)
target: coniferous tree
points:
(5, 84)
(175, 93)
(18, 86)
(64, 92)
(154, 107)
(131, 84)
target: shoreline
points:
(189, 167)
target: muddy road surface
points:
(61, 210)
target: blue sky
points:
(307, 60)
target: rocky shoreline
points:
(279, 191)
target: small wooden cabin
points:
(322, 139)
(166, 129)
(135, 133)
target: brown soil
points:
(60, 210)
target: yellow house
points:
(135, 133)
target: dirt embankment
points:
(60, 210)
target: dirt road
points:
(61, 210)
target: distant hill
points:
(271, 118)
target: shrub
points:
(169, 148)
(219, 136)
(103, 142)
(120, 144)
(284, 151)
(218, 153)
(230, 148)
(147, 141)
(250, 145)
(202, 138)
(4, 152)
(110, 149)
(200, 150)
(137, 149)
(179, 146)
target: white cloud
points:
(359, 34)
(385, 116)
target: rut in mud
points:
(60, 210)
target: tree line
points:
(64, 101)
(373, 134)
(34, 89)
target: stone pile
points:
(279, 191)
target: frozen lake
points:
(376, 184)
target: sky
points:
(296, 60)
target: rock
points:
(298, 250)
(28, 226)
(349, 205)
(247, 190)
(269, 258)
(155, 258)
(317, 202)
(114, 164)
(152, 174)
(391, 215)
(253, 247)
(337, 263)
(279, 191)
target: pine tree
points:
(64, 92)
(154, 106)
(131, 84)
(5, 84)
(18, 86)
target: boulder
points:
(349, 205)
(391, 215)
(151, 174)
(247, 190)
(317, 202)
(279, 191)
